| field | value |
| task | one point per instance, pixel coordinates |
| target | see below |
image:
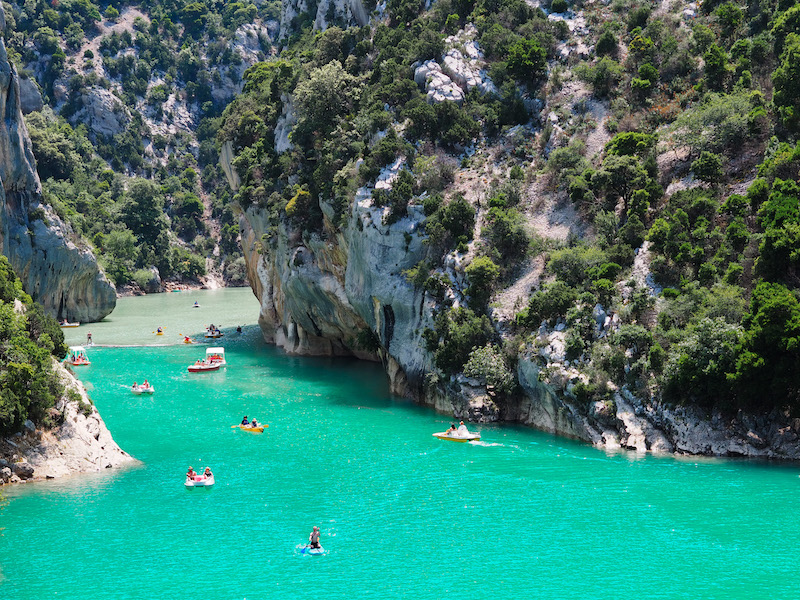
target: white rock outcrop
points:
(347, 12)
(102, 112)
(437, 84)
(646, 426)
(462, 68)
(80, 444)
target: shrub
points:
(548, 304)
(488, 364)
(481, 274)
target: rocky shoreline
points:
(81, 443)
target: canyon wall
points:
(55, 269)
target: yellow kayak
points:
(258, 429)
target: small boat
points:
(199, 481)
(216, 355)
(215, 333)
(201, 366)
(65, 324)
(258, 429)
(141, 389)
(456, 437)
(77, 356)
(195, 305)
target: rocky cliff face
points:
(318, 294)
(80, 444)
(54, 270)
(632, 423)
(326, 12)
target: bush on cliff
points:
(29, 339)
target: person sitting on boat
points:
(313, 539)
(253, 423)
(145, 384)
(462, 429)
(135, 385)
(245, 421)
(190, 474)
(452, 430)
(208, 474)
(160, 330)
(195, 303)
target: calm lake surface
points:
(403, 515)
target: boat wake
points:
(488, 444)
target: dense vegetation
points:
(29, 340)
(174, 58)
(706, 101)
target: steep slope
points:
(503, 244)
(55, 270)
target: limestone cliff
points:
(55, 271)
(326, 12)
(81, 443)
(318, 294)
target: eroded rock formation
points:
(55, 270)
(81, 443)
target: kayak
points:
(469, 437)
(203, 366)
(258, 429)
(199, 481)
(140, 389)
(189, 341)
(159, 333)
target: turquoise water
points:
(402, 515)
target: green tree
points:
(488, 364)
(767, 373)
(527, 60)
(481, 274)
(786, 79)
(697, 366)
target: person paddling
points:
(313, 539)
(245, 421)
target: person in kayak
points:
(254, 423)
(208, 473)
(245, 421)
(313, 539)
(190, 473)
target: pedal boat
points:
(140, 389)
(455, 437)
(201, 366)
(199, 481)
